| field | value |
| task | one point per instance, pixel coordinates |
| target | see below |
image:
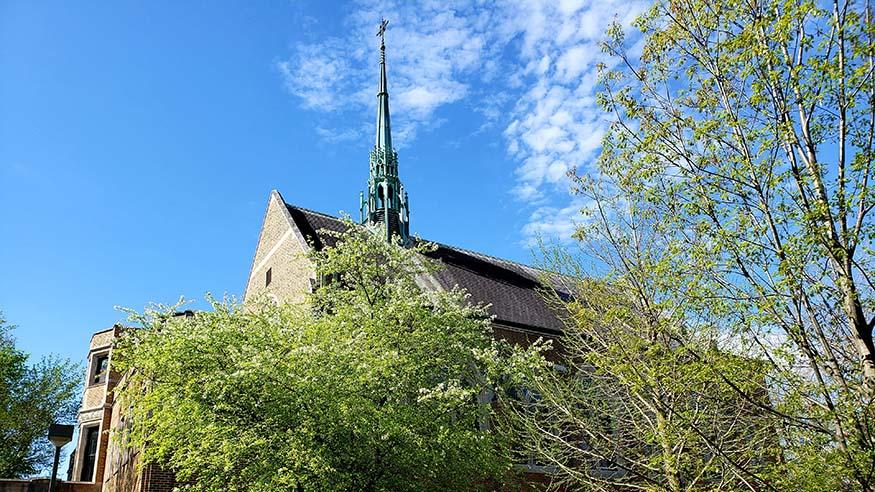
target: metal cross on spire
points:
(382, 32)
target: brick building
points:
(98, 458)
(282, 273)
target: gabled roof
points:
(513, 290)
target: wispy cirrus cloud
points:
(556, 125)
(316, 75)
(530, 65)
(442, 51)
(336, 135)
(555, 223)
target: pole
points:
(55, 468)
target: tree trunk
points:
(861, 330)
(668, 463)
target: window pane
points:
(90, 455)
(101, 365)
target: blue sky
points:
(139, 140)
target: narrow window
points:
(268, 276)
(89, 456)
(99, 369)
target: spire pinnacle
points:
(384, 130)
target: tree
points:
(31, 398)
(741, 138)
(372, 384)
(645, 397)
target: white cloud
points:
(553, 223)
(422, 101)
(334, 135)
(435, 52)
(574, 62)
(525, 65)
(315, 76)
(557, 125)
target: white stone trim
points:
(80, 451)
(90, 415)
(270, 253)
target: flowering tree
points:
(372, 384)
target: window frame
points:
(97, 377)
(86, 457)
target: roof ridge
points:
(511, 288)
(305, 209)
(459, 248)
(492, 257)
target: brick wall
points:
(156, 479)
(280, 250)
(132, 476)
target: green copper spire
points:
(386, 202)
(384, 130)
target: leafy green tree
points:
(742, 144)
(647, 395)
(31, 398)
(371, 384)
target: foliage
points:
(31, 398)
(645, 396)
(732, 200)
(371, 384)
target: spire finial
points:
(382, 33)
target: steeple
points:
(384, 130)
(386, 202)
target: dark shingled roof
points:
(512, 289)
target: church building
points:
(281, 271)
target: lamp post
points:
(59, 434)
